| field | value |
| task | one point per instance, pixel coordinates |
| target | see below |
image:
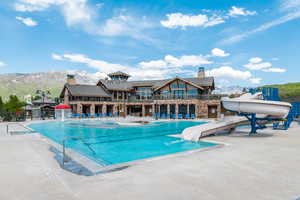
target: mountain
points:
(27, 84)
(235, 89)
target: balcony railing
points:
(161, 97)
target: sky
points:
(241, 42)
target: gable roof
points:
(129, 85)
(85, 90)
(178, 78)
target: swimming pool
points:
(108, 142)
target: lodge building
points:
(118, 96)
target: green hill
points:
(288, 91)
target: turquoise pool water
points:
(109, 143)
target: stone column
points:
(104, 109)
(176, 109)
(188, 108)
(168, 109)
(92, 109)
(115, 109)
(158, 109)
(153, 109)
(196, 110)
(79, 108)
(143, 110)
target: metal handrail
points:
(7, 127)
(64, 147)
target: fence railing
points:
(168, 97)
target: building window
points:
(192, 92)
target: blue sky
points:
(244, 42)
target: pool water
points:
(109, 143)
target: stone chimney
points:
(201, 72)
(71, 79)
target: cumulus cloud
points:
(275, 69)
(170, 61)
(219, 52)
(236, 11)
(258, 66)
(176, 20)
(255, 60)
(80, 14)
(2, 64)
(256, 63)
(27, 21)
(227, 72)
(137, 72)
(255, 80)
(74, 11)
(210, 18)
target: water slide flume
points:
(252, 107)
(248, 103)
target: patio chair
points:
(179, 116)
(173, 116)
(187, 116)
(110, 114)
(193, 116)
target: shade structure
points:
(62, 106)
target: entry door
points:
(212, 111)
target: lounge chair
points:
(179, 116)
(173, 116)
(110, 114)
(193, 116)
(187, 116)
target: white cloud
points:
(255, 60)
(100, 65)
(255, 80)
(2, 64)
(227, 72)
(274, 69)
(257, 64)
(169, 67)
(236, 11)
(154, 64)
(27, 21)
(219, 52)
(176, 20)
(291, 9)
(56, 57)
(170, 61)
(74, 11)
(191, 60)
(79, 14)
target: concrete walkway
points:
(262, 167)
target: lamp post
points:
(43, 94)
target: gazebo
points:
(62, 112)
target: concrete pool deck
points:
(263, 166)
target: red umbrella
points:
(62, 106)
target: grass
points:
(287, 90)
